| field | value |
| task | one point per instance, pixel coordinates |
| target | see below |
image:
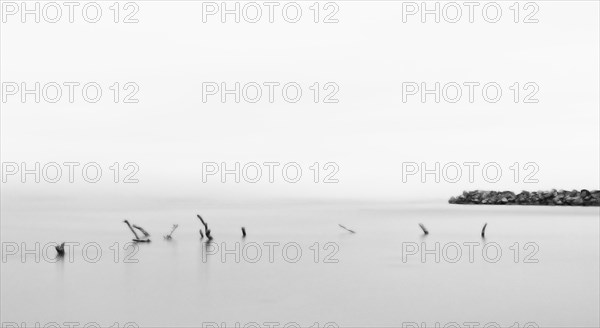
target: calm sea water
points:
(540, 266)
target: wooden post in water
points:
(60, 249)
(425, 231)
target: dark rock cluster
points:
(553, 197)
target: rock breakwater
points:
(552, 197)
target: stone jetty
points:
(552, 197)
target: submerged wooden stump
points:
(425, 231)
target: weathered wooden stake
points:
(423, 228)
(60, 249)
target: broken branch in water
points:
(341, 226)
(60, 249)
(203, 223)
(423, 228)
(130, 228)
(172, 230)
(205, 228)
(483, 230)
(146, 234)
(137, 238)
(243, 232)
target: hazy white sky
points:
(369, 53)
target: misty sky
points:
(369, 133)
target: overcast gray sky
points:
(369, 133)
